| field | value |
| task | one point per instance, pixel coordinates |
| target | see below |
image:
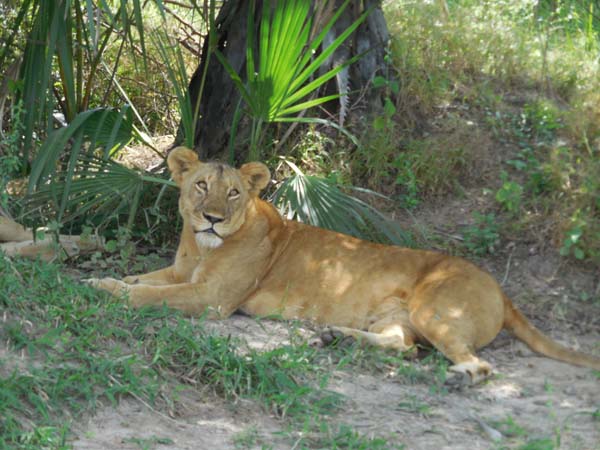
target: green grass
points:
(73, 349)
(430, 369)
(523, 74)
(321, 435)
(483, 236)
(84, 349)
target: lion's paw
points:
(132, 279)
(468, 374)
(457, 381)
(334, 337)
(116, 288)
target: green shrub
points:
(483, 236)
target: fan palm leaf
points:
(316, 201)
(67, 32)
(97, 188)
(102, 127)
(278, 84)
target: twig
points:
(492, 433)
(296, 443)
(189, 48)
(507, 267)
(181, 4)
(183, 22)
(451, 236)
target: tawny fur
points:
(16, 240)
(255, 261)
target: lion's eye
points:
(234, 193)
(201, 185)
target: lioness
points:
(236, 252)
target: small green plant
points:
(149, 443)
(483, 236)
(439, 365)
(509, 427)
(44, 437)
(582, 237)
(433, 165)
(10, 162)
(123, 247)
(510, 194)
(572, 243)
(539, 444)
(317, 154)
(412, 404)
(247, 438)
(407, 178)
(391, 87)
(535, 131)
(541, 120)
(323, 435)
(372, 159)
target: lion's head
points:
(214, 197)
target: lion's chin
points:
(208, 240)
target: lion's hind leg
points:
(385, 333)
(162, 277)
(454, 339)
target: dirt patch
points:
(203, 421)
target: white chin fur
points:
(208, 240)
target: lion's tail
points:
(517, 323)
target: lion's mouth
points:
(208, 238)
(210, 230)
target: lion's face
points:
(214, 197)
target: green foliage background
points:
(116, 74)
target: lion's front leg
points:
(191, 298)
(114, 287)
(160, 277)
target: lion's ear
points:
(256, 177)
(181, 160)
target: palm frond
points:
(277, 85)
(65, 46)
(58, 175)
(96, 189)
(37, 68)
(314, 200)
(172, 58)
(106, 128)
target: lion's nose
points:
(212, 219)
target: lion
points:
(237, 253)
